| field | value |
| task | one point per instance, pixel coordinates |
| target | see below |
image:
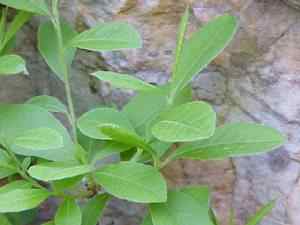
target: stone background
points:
(256, 79)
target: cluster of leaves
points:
(160, 124)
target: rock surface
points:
(255, 79)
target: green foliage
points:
(34, 6)
(12, 64)
(261, 213)
(49, 103)
(68, 213)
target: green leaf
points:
(34, 6)
(7, 168)
(12, 64)
(68, 213)
(198, 51)
(49, 223)
(40, 138)
(260, 214)
(90, 122)
(4, 220)
(58, 170)
(48, 45)
(49, 103)
(21, 199)
(24, 217)
(233, 140)
(123, 81)
(147, 220)
(16, 119)
(189, 122)
(133, 181)
(19, 184)
(93, 209)
(67, 183)
(108, 37)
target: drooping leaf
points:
(34, 6)
(19, 184)
(40, 138)
(90, 122)
(4, 220)
(93, 209)
(233, 140)
(49, 103)
(203, 46)
(12, 64)
(123, 81)
(261, 214)
(7, 167)
(133, 181)
(108, 37)
(58, 170)
(189, 122)
(68, 213)
(21, 199)
(48, 45)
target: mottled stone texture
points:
(255, 79)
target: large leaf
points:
(198, 51)
(58, 171)
(34, 6)
(68, 213)
(189, 122)
(49, 46)
(123, 81)
(12, 64)
(108, 37)
(16, 119)
(261, 214)
(7, 167)
(133, 181)
(19, 184)
(90, 122)
(232, 140)
(21, 199)
(49, 103)
(93, 209)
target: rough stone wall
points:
(256, 79)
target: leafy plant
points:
(160, 124)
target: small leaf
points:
(49, 103)
(93, 209)
(133, 181)
(4, 220)
(189, 122)
(108, 37)
(12, 64)
(233, 140)
(123, 81)
(34, 6)
(57, 171)
(19, 184)
(21, 199)
(90, 122)
(68, 213)
(260, 214)
(40, 138)
(7, 167)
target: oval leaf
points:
(123, 81)
(49, 103)
(12, 64)
(189, 122)
(232, 140)
(108, 37)
(133, 181)
(19, 184)
(36, 6)
(68, 213)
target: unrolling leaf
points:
(189, 122)
(68, 213)
(12, 64)
(133, 181)
(40, 138)
(123, 81)
(260, 214)
(108, 37)
(49, 103)
(21, 199)
(7, 167)
(232, 140)
(34, 6)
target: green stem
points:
(137, 155)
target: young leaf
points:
(12, 64)
(68, 213)
(21, 199)
(123, 81)
(48, 45)
(93, 209)
(19, 184)
(260, 214)
(40, 138)
(90, 122)
(34, 6)
(189, 122)
(198, 51)
(232, 140)
(57, 171)
(4, 220)
(133, 181)
(49, 103)
(7, 167)
(108, 37)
